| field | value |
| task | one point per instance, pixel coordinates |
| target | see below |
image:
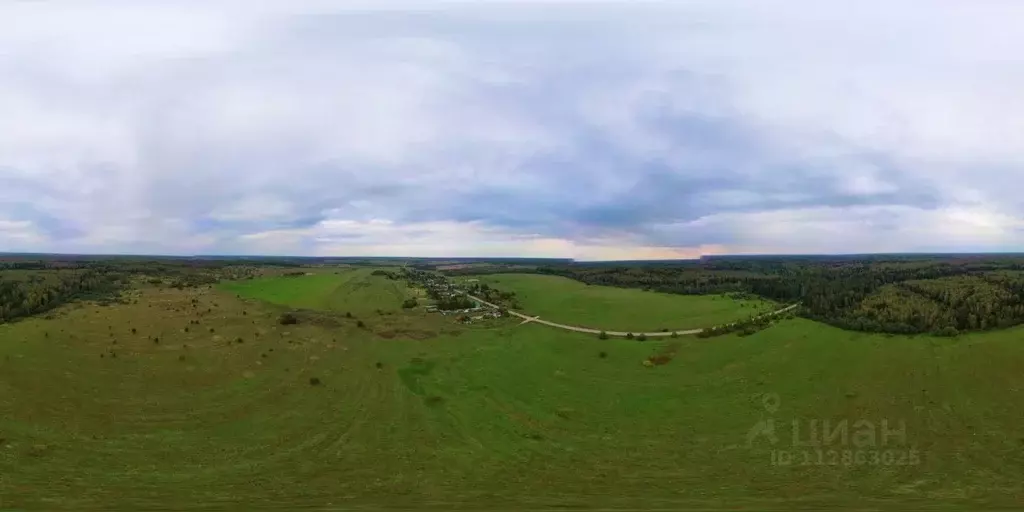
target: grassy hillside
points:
(494, 415)
(564, 300)
(350, 290)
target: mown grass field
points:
(567, 301)
(414, 411)
(350, 290)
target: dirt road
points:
(609, 333)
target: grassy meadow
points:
(197, 397)
(567, 301)
(353, 290)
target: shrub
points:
(360, 324)
(660, 359)
(629, 336)
(348, 314)
(134, 331)
(602, 354)
(675, 334)
(239, 340)
(642, 337)
(314, 381)
(602, 336)
(409, 303)
(380, 365)
(288, 319)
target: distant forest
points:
(33, 286)
(24, 294)
(903, 294)
(943, 295)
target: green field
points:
(567, 301)
(349, 290)
(486, 416)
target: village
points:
(448, 298)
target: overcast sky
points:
(611, 130)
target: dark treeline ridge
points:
(906, 294)
(28, 293)
(394, 276)
(30, 286)
(451, 302)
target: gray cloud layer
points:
(588, 130)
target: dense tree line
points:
(454, 302)
(26, 295)
(943, 295)
(494, 295)
(30, 286)
(394, 276)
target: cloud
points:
(381, 237)
(19, 234)
(610, 130)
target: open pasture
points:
(571, 302)
(353, 290)
(180, 398)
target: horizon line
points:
(507, 258)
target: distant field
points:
(220, 410)
(564, 300)
(348, 290)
